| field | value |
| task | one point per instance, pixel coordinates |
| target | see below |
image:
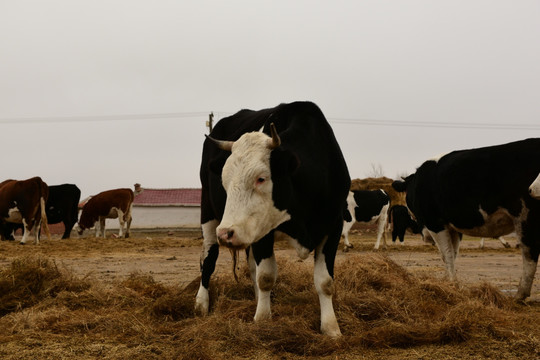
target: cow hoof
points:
(345, 249)
(21, 243)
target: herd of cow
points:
(279, 172)
(29, 204)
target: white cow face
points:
(250, 212)
(534, 189)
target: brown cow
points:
(109, 204)
(23, 202)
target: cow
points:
(480, 192)
(366, 206)
(534, 188)
(110, 204)
(61, 206)
(273, 172)
(23, 202)
(401, 221)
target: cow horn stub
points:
(276, 141)
(222, 144)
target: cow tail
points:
(44, 217)
(234, 254)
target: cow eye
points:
(260, 180)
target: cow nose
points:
(225, 235)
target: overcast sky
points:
(105, 94)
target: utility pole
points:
(210, 122)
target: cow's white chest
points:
(14, 215)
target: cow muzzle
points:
(229, 238)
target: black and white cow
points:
(366, 206)
(480, 192)
(274, 172)
(401, 221)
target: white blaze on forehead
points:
(250, 210)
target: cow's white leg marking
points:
(202, 300)
(266, 278)
(381, 226)
(345, 233)
(504, 242)
(448, 245)
(325, 289)
(121, 222)
(26, 232)
(527, 277)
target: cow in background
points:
(401, 221)
(274, 172)
(23, 202)
(369, 207)
(480, 192)
(62, 206)
(109, 204)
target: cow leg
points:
(381, 228)
(26, 232)
(504, 242)
(37, 230)
(128, 224)
(266, 274)
(347, 225)
(208, 265)
(101, 229)
(481, 243)
(323, 276)
(448, 244)
(530, 251)
(121, 222)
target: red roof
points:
(168, 197)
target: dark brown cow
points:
(109, 204)
(23, 202)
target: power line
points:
(221, 114)
(101, 118)
(457, 125)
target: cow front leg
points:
(128, 225)
(252, 270)
(266, 275)
(121, 223)
(208, 260)
(102, 222)
(448, 244)
(345, 234)
(324, 283)
(530, 263)
(26, 232)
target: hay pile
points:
(382, 309)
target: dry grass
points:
(383, 310)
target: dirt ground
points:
(173, 257)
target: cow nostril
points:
(230, 234)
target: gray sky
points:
(104, 94)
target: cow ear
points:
(399, 186)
